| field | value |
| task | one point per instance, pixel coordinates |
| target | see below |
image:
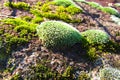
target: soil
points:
(34, 52)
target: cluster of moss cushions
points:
(58, 34)
(109, 73)
(96, 36)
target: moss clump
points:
(22, 27)
(58, 35)
(25, 27)
(12, 42)
(73, 10)
(16, 77)
(96, 36)
(41, 72)
(68, 73)
(37, 20)
(18, 5)
(109, 74)
(50, 11)
(110, 10)
(64, 3)
(95, 5)
(17, 41)
(117, 4)
(91, 53)
(84, 76)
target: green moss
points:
(64, 16)
(1, 31)
(50, 11)
(68, 73)
(45, 7)
(61, 9)
(73, 10)
(18, 5)
(96, 36)
(117, 4)
(64, 3)
(109, 74)
(58, 35)
(51, 15)
(111, 47)
(84, 76)
(14, 41)
(91, 53)
(16, 77)
(22, 27)
(95, 5)
(110, 10)
(37, 20)
(25, 27)
(17, 41)
(14, 21)
(41, 72)
(27, 18)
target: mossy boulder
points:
(96, 36)
(58, 34)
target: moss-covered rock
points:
(58, 35)
(96, 36)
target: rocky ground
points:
(34, 52)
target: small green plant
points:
(18, 5)
(58, 35)
(96, 36)
(109, 73)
